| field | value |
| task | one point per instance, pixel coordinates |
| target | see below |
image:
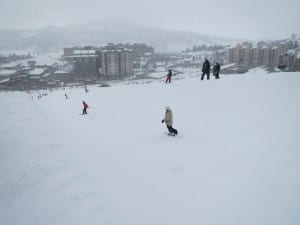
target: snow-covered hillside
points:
(236, 160)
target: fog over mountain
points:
(100, 33)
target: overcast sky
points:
(251, 19)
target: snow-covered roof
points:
(46, 74)
(4, 81)
(84, 52)
(34, 77)
(61, 72)
(291, 51)
(36, 72)
(7, 72)
(187, 60)
(198, 53)
(85, 56)
(117, 50)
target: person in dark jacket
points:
(216, 70)
(169, 76)
(168, 120)
(85, 106)
(205, 69)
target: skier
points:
(205, 69)
(85, 106)
(66, 96)
(169, 122)
(216, 70)
(169, 76)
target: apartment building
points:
(109, 62)
(264, 54)
(84, 63)
(115, 62)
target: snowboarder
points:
(169, 76)
(205, 69)
(85, 106)
(169, 122)
(216, 70)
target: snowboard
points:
(171, 135)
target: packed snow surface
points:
(236, 160)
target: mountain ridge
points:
(99, 33)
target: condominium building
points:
(274, 56)
(115, 62)
(264, 54)
(84, 63)
(109, 62)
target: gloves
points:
(162, 121)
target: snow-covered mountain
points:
(100, 33)
(236, 160)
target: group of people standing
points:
(206, 69)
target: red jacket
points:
(85, 105)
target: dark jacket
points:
(206, 66)
(216, 69)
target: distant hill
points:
(100, 33)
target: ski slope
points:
(236, 160)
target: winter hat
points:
(168, 108)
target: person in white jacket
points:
(169, 121)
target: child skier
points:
(85, 106)
(169, 76)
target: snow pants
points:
(168, 79)
(203, 74)
(172, 130)
(217, 75)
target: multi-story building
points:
(84, 62)
(245, 56)
(109, 62)
(273, 54)
(115, 62)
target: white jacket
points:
(169, 117)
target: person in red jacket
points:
(85, 106)
(169, 76)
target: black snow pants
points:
(172, 130)
(207, 73)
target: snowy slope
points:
(236, 159)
